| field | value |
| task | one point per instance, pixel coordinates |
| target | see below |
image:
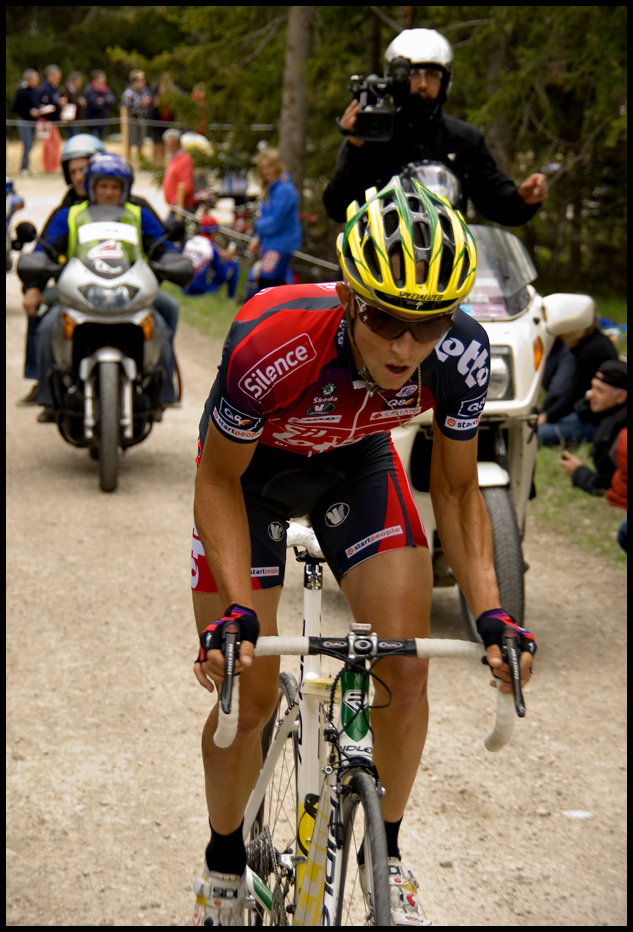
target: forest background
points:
(546, 85)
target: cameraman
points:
(422, 132)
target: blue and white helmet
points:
(81, 146)
(107, 165)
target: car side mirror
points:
(567, 312)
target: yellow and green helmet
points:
(408, 249)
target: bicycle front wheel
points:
(273, 831)
(363, 900)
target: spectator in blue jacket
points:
(278, 229)
(99, 99)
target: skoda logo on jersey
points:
(325, 407)
(336, 514)
(406, 390)
(328, 389)
(275, 531)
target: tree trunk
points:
(374, 63)
(499, 135)
(294, 104)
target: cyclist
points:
(312, 379)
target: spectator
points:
(558, 421)
(99, 99)
(212, 265)
(162, 111)
(607, 400)
(179, 169)
(616, 493)
(278, 229)
(51, 104)
(137, 99)
(199, 95)
(74, 111)
(26, 106)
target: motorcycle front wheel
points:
(508, 557)
(108, 425)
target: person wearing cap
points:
(566, 417)
(423, 132)
(607, 401)
(212, 265)
(180, 170)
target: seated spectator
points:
(99, 99)
(558, 420)
(212, 266)
(179, 170)
(616, 493)
(607, 401)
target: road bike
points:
(317, 797)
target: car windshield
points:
(504, 269)
(107, 240)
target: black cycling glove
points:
(212, 638)
(490, 626)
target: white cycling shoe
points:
(406, 908)
(219, 899)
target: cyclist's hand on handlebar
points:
(209, 665)
(491, 626)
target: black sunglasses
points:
(391, 328)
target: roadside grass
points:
(586, 520)
(615, 309)
(210, 314)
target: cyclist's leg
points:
(230, 773)
(392, 592)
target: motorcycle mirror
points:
(25, 232)
(34, 266)
(175, 230)
(567, 312)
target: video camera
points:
(380, 99)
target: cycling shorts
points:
(357, 497)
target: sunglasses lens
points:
(390, 328)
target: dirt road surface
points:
(106, 820)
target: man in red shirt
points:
(179, 169)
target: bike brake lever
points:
(511, 655)
(230, 649)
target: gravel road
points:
(106, 820)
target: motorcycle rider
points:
(108, 181)
(423, 132)
(77, 152)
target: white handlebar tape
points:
(227, 724)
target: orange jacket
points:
(616, 493)
(179, 169)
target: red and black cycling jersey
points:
(288, 380)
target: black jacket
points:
(26, 99)
(610, 424)
(458, 145)
(589, 354)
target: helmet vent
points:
(391, 221)
(396, 261)
(369, 252)
(463, 275)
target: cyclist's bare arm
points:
(464, 528)
(221, 522)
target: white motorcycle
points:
(106, 378)
(522, 327)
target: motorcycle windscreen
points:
(504, 269)
(107, 240)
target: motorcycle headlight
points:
(109, 299)
(501, 387)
